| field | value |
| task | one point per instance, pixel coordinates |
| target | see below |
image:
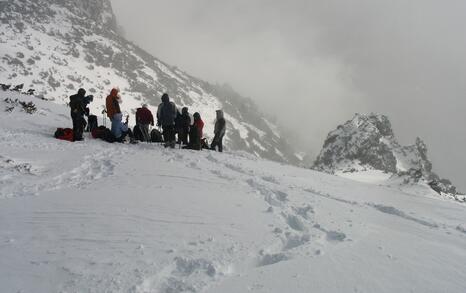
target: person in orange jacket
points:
(112, 103)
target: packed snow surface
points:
(97, 217)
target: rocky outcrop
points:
(367, 142)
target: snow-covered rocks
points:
(367, 143)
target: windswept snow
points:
(97, 217)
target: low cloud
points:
(313, 64)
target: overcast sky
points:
(315, 63)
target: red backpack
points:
(64, 134)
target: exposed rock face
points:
(367, 142)
(58, 46)
(100, 11)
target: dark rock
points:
(367, 142)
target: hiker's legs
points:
(184, 139)
(214, 143)
(220, 143)
(165, 134)
(78, 126)
(172, 134)
(183, 136)
(125, 134)
(169, 135)
(145, 131)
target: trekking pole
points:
(104, 119)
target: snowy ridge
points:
(97, 217)
(59, 46)
(366, 148)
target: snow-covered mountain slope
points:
(97, 217)
(58, 46)
(366, 146)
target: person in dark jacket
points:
(195, 133)
(144, 118)
(78, 110)
(166, 115)
(184, 122)
(219, 132)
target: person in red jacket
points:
(196, 133)
(144, 118)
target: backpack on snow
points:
(64, 134)
(204, 143)
(103, 133)
(91, 123)
(156, 136)
(138, 133)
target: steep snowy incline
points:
(98, 217)
(59, 46)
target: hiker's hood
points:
(165, 98)
(114, 92)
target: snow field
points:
(97, 217)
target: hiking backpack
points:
(138, 133)
(156, 136)
(64, 134)
(91, 123)
(103, 133)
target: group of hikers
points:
(177, 127)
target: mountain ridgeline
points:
(367, 142)
(59, 46)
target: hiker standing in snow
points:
(78, 110)
(195, 133)
(184, 122)
(119, 129)
(144, 118)
(219, 132)
(166, 115)
(112, 104)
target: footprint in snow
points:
(331, 236)
(270, 259)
